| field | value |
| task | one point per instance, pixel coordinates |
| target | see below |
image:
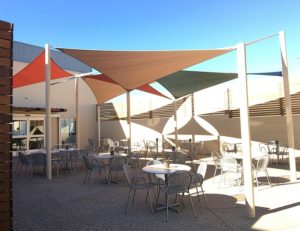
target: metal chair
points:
(229, 165)
(136, 182)
(177, 183)
(115, 165)
(198, 178)
(261, 166)
(90, 166)
(24, 161)
(216, 159)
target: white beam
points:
(288, 107)
(245, 130)
(77, 113)
(129, 121)
(48, 110)
(175, 128)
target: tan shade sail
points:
(132, 69)
(105, 88)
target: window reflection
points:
(20, 128)
(36, 127)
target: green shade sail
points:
(183, 83)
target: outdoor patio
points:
(65, 203)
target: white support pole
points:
(245, 130)
(288, 107)
(175, 128)
(129, 121)
(48, 110)
(193, 113)
(98, 126)
(77, 113)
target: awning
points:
(35, 72)
(182, 83)
(133, 69)
(104, 88)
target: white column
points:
(245, 130)
(48, 110)
(129, 121)
(193, 113)
(98, 126)
(288, 107)
(175, 128)
(77, 112)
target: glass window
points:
(36, 127)
(68, 130)
(20, 128)
(18, 144)
(36, 143)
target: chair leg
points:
(192, 204)
(204, 197)
(128, 198)
(268, 178)
(167, 204)
(215, 174)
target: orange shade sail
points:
(105, 88)
(133, 69)
(35, 72)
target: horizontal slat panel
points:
(5, 34)
(4, 205)
(5, 109)
(4, 196)
(5, 99)
(4, 145)
(4, 167)
(4, 177)
(5, 72)
(5, 53)
(5, 128)
(5, 62)
(5, 137)
(5, 118)
(5, 81)
(5, 43)
(6, 90)
(5, 25)
(5, 156)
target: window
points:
(68, 130)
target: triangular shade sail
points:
(183, 83)
(35, 72)
(132, 69)
(276, 73)
(105, 88)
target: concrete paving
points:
(65, 203)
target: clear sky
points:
(162, 25)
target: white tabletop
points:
(106, 155)
(239, 155)
(162, 169)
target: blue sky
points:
(162, 25)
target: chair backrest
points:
(228, 164)
(216, 158)
(202, 169)
(179, 182)
(87, 162)
(179, 157)
(116, 163)
(23, 158)
(262, 163)
(153, 162)
(39, 159)
(129, 173)
(283, 149)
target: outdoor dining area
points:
(172, 190)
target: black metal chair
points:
(115, 165)
(90, 166)
(136, 182)
(177, 183)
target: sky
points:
(163, 25)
